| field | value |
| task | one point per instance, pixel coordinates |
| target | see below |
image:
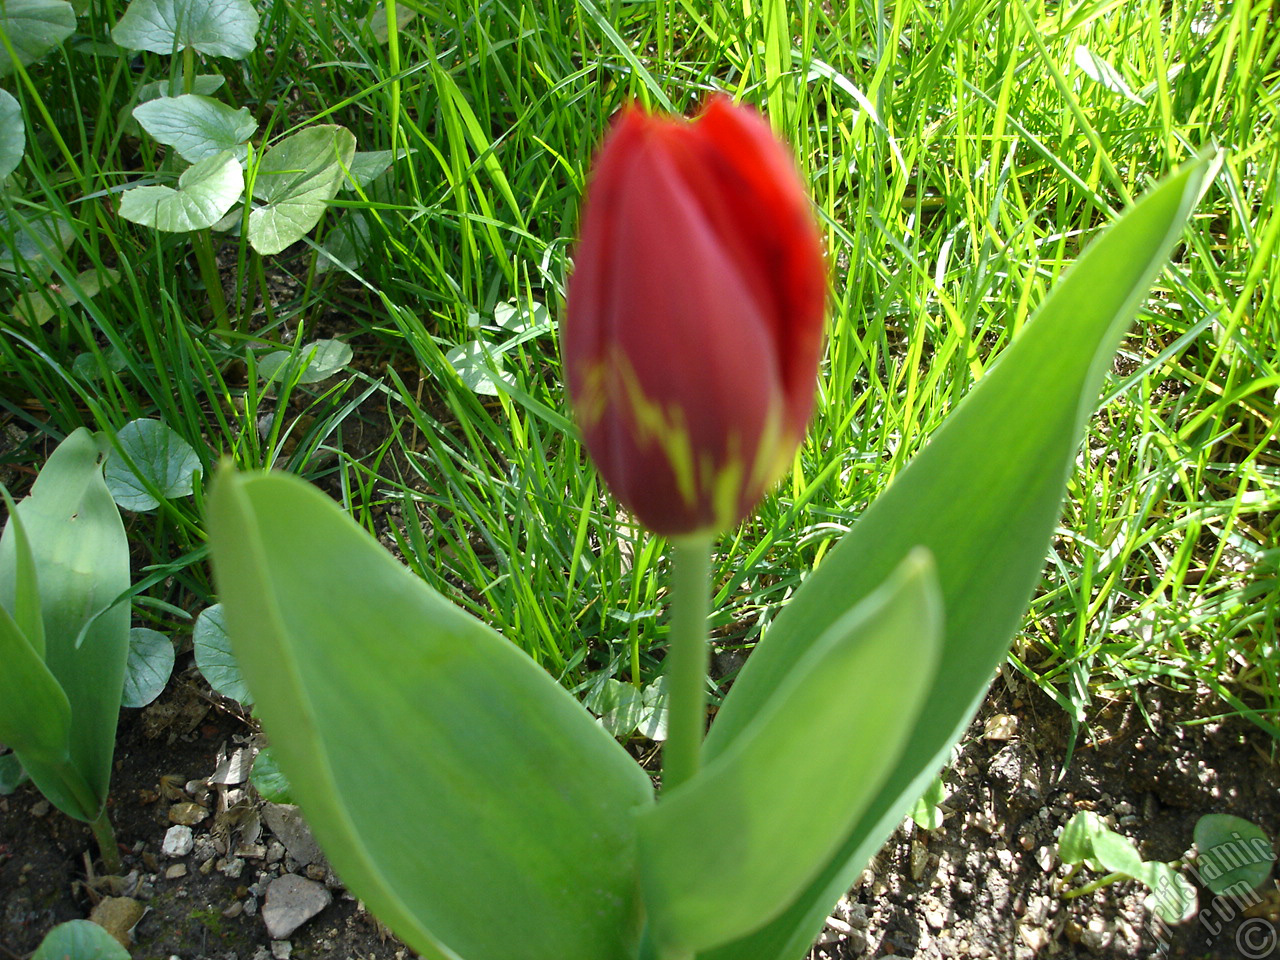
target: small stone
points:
(291, 902)
(275, 851)
(231, 867)
(207, 867)
(1002, 726)
(175, 870)
(233, 911)
(1045, 856)
(251, 851)
(187, 813)
(287, 824)
(935, 917)
(316, 872)
(178, 841)
(251, 907)
(40, 808)
(281, 949)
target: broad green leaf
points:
(479, 367)
(80, 940)
(26, 610)
(202, 84)
(162, 461)
(35, 716)
(927, 812)
(149, 666)
(618, 705)
(378, 22)
(82, 562)
(1231, 851)
(983, 496)
(368, 165)
(347, 243)
(13, 135)
(214, 657)
(206, 191)
(268, 779)
(38, 308)
(34, 27)
(220, 28)
(33, 245)
(727, 851)
(654, 710)
(1075, 843)
(415, 737)
(295, 181)
(195, 126)
(321, 359)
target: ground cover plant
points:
(961, 156)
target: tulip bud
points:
(694, 315)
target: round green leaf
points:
(1232, 851)
(195, 126)
(220, 28)
(13, 136)
(206, 191)
(323, 359)
(150, 664)
(347, 243)
(268, 779)
(33, 245)
(34, 27)
(163, 460)
(80, 940)
(12, 775)
(295, 180)
(214, 656)
(479, 368)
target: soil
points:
(987, 884)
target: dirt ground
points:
(985, 885)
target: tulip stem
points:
(687, 659)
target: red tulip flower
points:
(693, 326)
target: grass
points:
(960, 155)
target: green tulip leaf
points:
(295, 180)
(206, 191)
(414, 737)
(81, 559)
(197, 127)
(1018, 431)
(35, 715)
(219, 28)
(149, 667)
(214, 657)
(1232, 853)
(34, 27)
(162, 463)
(13, 135)
(80, 940)
(321, 358)
(730, 849)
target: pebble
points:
(291, 902)
(187, 813)
(231, 867)
(287, 824)
(281, 949)
(174, 871)
(275, 851)
(40, 808)
(178, 841)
